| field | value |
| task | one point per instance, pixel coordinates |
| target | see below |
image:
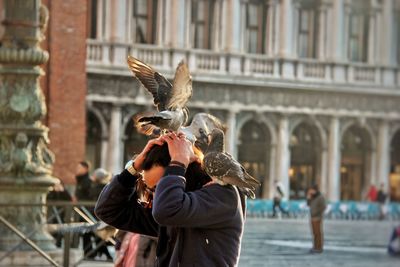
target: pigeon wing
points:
(182, 87)
(153, 81)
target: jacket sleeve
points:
(209, 206)
(117, 206)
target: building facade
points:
(310, 89)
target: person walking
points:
(278, 195)
(317, 204)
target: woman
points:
(197, 222)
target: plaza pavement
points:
(285, 242)
(275, 242)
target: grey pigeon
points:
(224, 169)
(200, 128)
(169, 99)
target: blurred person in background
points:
(372, 193)
(317, 204)
(82, 193)
(58, 194)
(99, 179)
(381, 198)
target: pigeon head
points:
(216, 143)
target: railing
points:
(342, 210)
(64, 218)
(206, 62)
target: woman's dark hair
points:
(195, 176)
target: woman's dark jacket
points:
(199, 228)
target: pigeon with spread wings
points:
(224, 169)
(170, 99)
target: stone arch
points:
(357, 159)
(256, 153)
(307, 145)
(133, 141)
(96, 143)
(100, 117)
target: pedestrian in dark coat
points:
(197, 223)
(316, 202)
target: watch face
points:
(128, 164)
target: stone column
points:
(383, 157)
(230, 140)
(179, 23)
(286, 37)
(114, 160)
(322, 32)
(283, 155)
(233, 35)
(25, 161)
(337, 44)
(334, 160)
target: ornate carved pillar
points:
(282, 155)
(383, 157)
(334, 160)
(114, 161)
(25, 161)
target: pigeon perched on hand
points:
(200, 128)
(169, 99)
(224, 169)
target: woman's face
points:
(153, 175)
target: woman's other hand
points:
(180, 148)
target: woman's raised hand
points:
(141, 157)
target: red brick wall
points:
(65, 84)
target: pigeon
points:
(224, 169)
(169, 99)
(200, 128)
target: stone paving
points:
(269, 242)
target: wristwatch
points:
(130, 168)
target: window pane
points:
(304, 21)
(141, 31)
(252, 42)
(303, 46)
(199, 36)
(252, 16)
(141, 7)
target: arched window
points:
(93, 140)
(354, 167)
(305, 158)
(395, 167)
(254, 152)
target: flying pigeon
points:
(224, 169)
(169, 99)
(200, 128)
